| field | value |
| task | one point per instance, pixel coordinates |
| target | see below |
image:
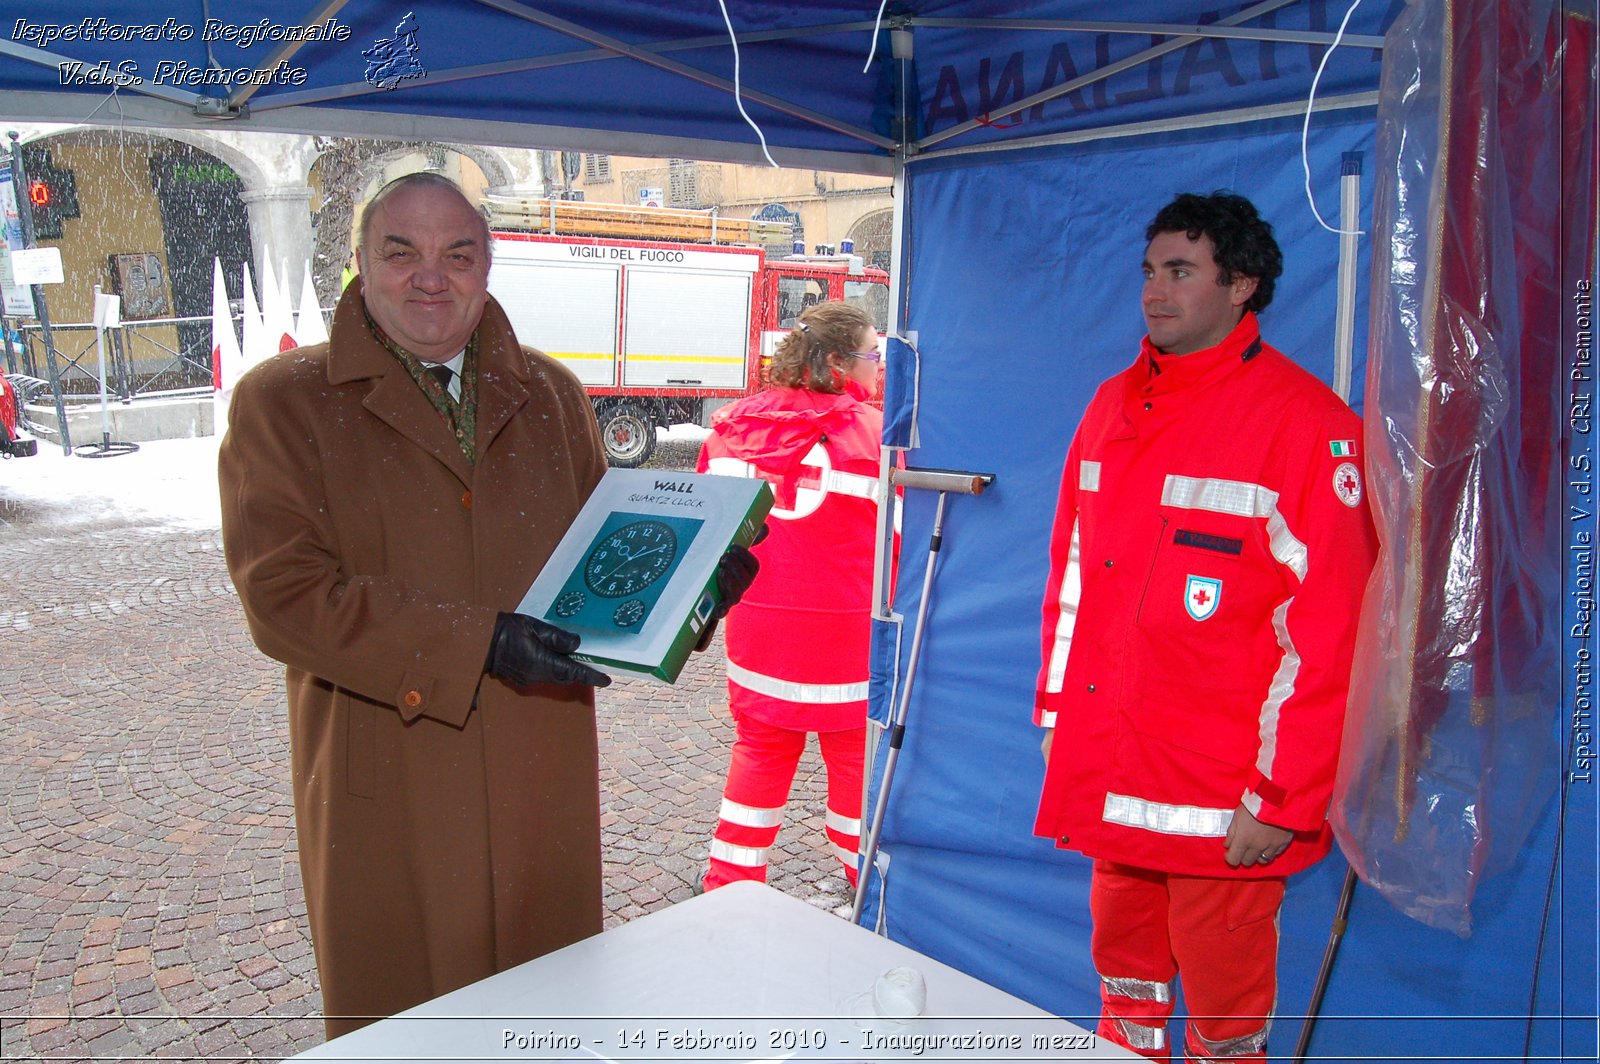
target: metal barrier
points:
(137, 360)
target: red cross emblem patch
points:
(1201, 595)
(1347, 484)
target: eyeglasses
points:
(867, 356)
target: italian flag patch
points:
(1342, 448)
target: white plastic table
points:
(743, 973)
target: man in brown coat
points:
(377, 524)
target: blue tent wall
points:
(1023, 293)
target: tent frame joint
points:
(216, 107)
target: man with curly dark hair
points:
(1210, 549)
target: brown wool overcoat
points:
(448, 824)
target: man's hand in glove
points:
(736, 571)
(526, 651)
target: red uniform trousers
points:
(765, 758)
(1219, 935)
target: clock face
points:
(569, 603)
(630, 559)
(622, 571)
(629, 613)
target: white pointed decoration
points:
(227, 361)
(309, 327)
(287, 292)
(256, 347)
(269, 285)
(275, 312)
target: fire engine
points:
(660, 331)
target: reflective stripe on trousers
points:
(749, 816)
(764, 761)
(1198, 1048)
(751, 857)
(1218, 938)
(844, 835)
(1139, 1037)
(1134, 1012)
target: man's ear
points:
(1242, 289)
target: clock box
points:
(635, 575)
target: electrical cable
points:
(877, 25)
(1555, 880)
(1305, 129)
(733, 39)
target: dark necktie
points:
(441, 373)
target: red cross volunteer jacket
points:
(797, 642)
(1210, 550)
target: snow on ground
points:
(170, 482)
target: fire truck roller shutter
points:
(566, 310)
(686, 328)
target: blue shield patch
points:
(1201, 595)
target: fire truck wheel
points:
(629, 433)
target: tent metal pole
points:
(1154, 29)
(545, 62)
(944, 482)
(1207, 120)
(1341, 920)
(324, 10)
(888, 508)
(1074, 84)
(902, 48)
(1344, 324)
(119, 80)
(897, 728)
(615, 44)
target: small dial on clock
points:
(570, 603)
(627, 615)
(630, 559)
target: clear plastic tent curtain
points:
(1483, 218)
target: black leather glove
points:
(736, 571)
(526, 651)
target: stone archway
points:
(154, 212)
(345, 173)
(497, 169)
(272, 169)
(874, 237)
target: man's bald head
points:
(425, 265)
(423, 178)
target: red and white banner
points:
(227, 361)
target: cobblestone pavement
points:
(150, 897)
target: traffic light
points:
(52, 193)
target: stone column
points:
(280, 222)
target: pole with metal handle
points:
(100, 349)
(944, 482)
